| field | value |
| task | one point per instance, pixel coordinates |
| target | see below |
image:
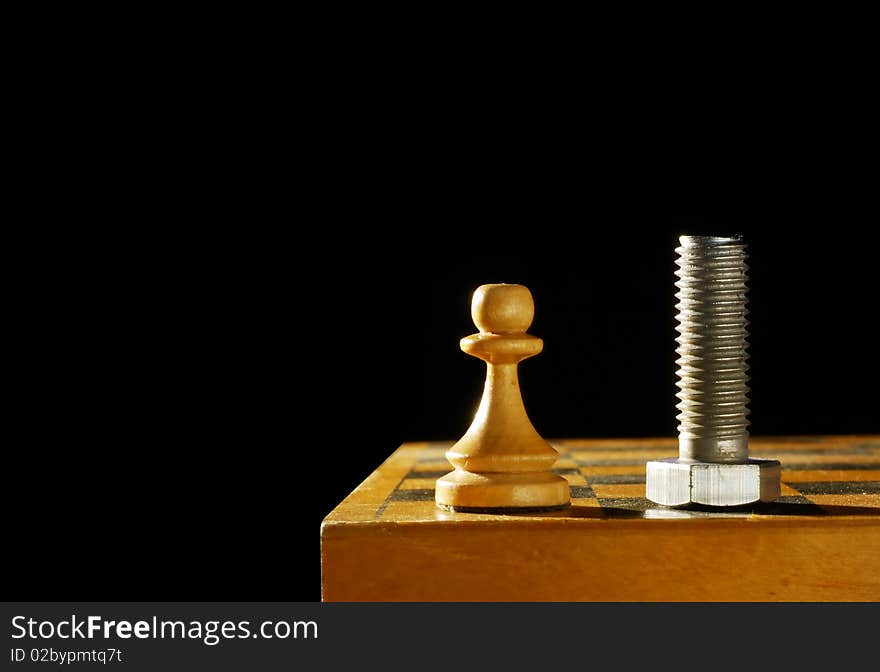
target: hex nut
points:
(673, 482)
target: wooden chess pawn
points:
(501, 463)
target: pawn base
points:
(501, 493)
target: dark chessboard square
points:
(628, 503)
(866, 446)
(790, 505)
(428, 474)
(581, 491)
(418, 495)
(788, 454)
(838, 487)
(623, 479)
(827, 466)
(793, 499)
(627, 447)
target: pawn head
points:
(502, 308)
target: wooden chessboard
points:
(820, 541)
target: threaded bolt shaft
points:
(712, 368)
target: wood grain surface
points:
(820, 541)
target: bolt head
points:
(673, 482)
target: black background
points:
(192, 406)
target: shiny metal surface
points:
(713, 467)
(712, 327)
(677, 482)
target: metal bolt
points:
(713, 466)
(713, 384)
